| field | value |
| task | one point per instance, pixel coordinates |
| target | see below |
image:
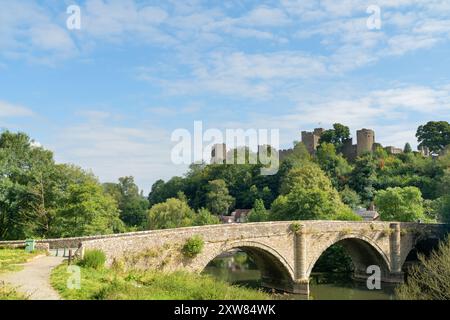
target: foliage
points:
(400, 204)
(430, 280)
(39, 198)
(94, 259)
(203, 217)
(173, 213)
(334, 259)
(307, 194)
(363, 177)
(334, 165)
(176, 213)
(407, 148)
(193, 246)
(336, 136)
(108, 284)
(8, 293)
(435, 135)
(259, 212)
(218, 199)
(132, 205)
(350, 198)
(12, 259)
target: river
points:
(237, 268)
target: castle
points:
(365, 142)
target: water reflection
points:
(236, 267)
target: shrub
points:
(93, 259)
(193, 246)
(430, 280)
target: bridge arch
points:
(423, 246)
(275, 270)
(362, 250)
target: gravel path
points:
(34, 279)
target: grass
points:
(8, 293)
(110, 284)
(10, 259)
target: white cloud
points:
(8, 110)
(112, 151)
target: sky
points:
(108, 95)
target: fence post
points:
(70, 256)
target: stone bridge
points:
(285, 252)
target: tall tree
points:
(218, 198)
(435, 135)
(337, 136)
(400, 204)
(133, 206)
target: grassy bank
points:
(10, 260)
(110, 284)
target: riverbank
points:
(112, 284)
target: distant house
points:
(370, 214)
(237, 216)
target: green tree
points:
(363, 177)
(400, 204)
(132, 205)
(334, 165)
(350, 198)
(435, 135)
(203, 217)
(307, 193)
(430, 280)
(218, 199)
(407, 148)
(173, 213)
(259, 212)
(87, 210)
(336, 136)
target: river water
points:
(237, 269)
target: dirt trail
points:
(34, 279)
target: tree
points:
(307, 194)
(336, 136)
(400, 204)
(259, 212)
(334, 165)
(435, 135)
(363, 177)
(132, 205)
(87, 211)
(407, 148)
(218, 199)
(203, 217)
(350, 198)
(430, 280)
(173, 213)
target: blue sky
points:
(108, 96)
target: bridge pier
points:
(300, 286)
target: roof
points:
(368, 215)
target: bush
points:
(93, 259)
(431, 279)
(193, 246)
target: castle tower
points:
(365, 140)
(219, 153)
(311, 139)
